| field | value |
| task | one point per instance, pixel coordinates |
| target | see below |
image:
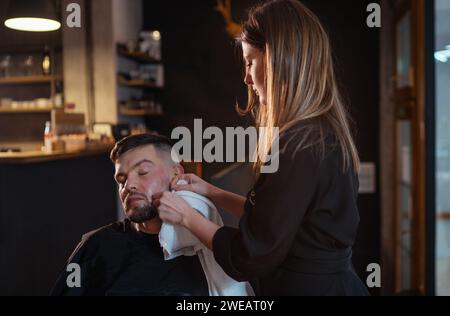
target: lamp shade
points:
(32, 16)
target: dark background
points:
(45, 207)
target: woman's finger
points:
(168, 201)
(174, 185)
(156, 202)
(182, 187)
(185, 176)
(171, 219)
(157, 196)
(169, 215)
(174, 181)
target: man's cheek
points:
(155, 185)
(149, 191)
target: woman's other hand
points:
(232, 203)
(172, 209)
(193, 183)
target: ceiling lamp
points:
(32, 16)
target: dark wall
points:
(203, 75)
(204, 79)
(44, 210)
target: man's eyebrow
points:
(134, 166)
(141, 162)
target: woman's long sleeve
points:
(274, 210)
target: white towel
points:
(178, 241)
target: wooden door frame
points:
(419, 146)
(389, 230)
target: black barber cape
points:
(118, 260)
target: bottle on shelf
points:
(58, 98)
(46, 62)
(48, 137)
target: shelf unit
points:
(20, 86)
(136, 56)
(135, 83)
(136, 88)
(27, 81)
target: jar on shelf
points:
(28, 66)
(5, 66)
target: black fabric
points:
(118, 260)
(298, 228)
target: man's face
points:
(140, 173)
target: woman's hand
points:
(173, 209)
(194, 184)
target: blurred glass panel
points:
(442, 44)
(404, 202)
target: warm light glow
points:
(32, 24)
(156, 35)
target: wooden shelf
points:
(29, 79)
(137, 84)
(136, 56)
(29, 110)
(137, 112)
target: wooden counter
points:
(40, 156)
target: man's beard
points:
(142, 213)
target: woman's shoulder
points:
(309, 137)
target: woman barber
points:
(297, 225)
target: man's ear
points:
(178, 168)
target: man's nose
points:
(130, 186)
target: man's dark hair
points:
(134, 141)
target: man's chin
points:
(140, 217)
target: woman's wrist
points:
(200, 227)
(191, 217)
(214, 193)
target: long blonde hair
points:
(300, 79)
